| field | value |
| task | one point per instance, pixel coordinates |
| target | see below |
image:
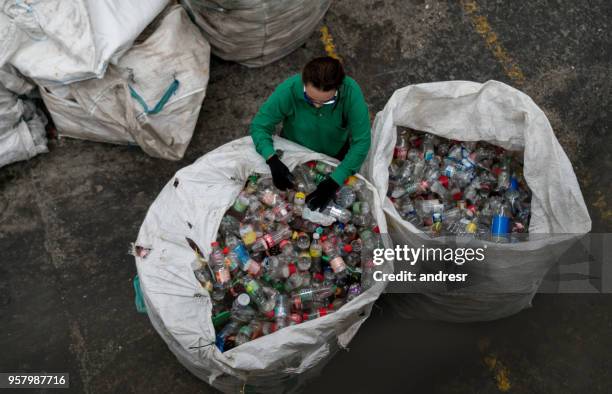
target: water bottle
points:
(304, 261)
(342, 215)
(231, 260)
(217, 265)
(401, 147)
(428, 148)
(246, 263)
(241, 310)
(345, 196)
(303, 241)
(282, 311)
(315, 247)
(337, 264)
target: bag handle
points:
(161, 103)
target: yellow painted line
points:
(483, 28)
(328, 43)
(501, 373)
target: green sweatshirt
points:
(324, 129)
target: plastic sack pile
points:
(113, 71)
(22, 126)
(505, 117)
(256, 32)
(192, 205)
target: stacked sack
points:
(119, 85)
(256, 32)
(22, 125)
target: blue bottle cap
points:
(513, 183)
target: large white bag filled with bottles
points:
(256, 32)
(480, 164)
(281, 329)
(151, 97)
(58, 42)
(22, 125)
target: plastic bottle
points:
(241, 204)
(282, 311)
(319, 312)
(301, 299)
(315, 247)
(271, 239)
(303, 241)
(304, 261)
(247, 233)
(255, 291)
(428, 147)
(217, 265)
(231, 260)
(244, 335)
(343, 215)
(241, 311)
(345, 196)
(230, 329)
(353, 292)
(323, 168)
(247, 264)
(269, 197)
(401, 146)
(282, 212)
(337, 264)
(500, 224)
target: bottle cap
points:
(443, 179)
(324, 238)
(270, 314)
(225, 250)
(318, 276)
(513, 183)
(315, 236)
(304, 316)
(311, 164)
(325, 258)
(376, 229)
(348, 248)
(292, 269)
(214, 244)
(243, 299)
(319, 230)
(322, 312)
(458, 195)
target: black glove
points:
(281, 176)
(322, 195)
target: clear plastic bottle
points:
(247, 264)
(315, 247)
(231, 260)
(337, 264)
(428, 147)
(282, 310)
(241, 204)
(401, 146)
(217, 265)
(343, 215)
(255, 291)
(304, 261)
(269, 197)
(345, 196)
(269, 240)
(319, 312)
(244, 335)
(323, 168)
(241, 310)
(303, 298)
(303, 241)
(247, 233)
(282, 212)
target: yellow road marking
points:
(483, 28)
(496, 366)
(328, 43)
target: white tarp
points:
(192, 205)
(58, 41)
(506, 117)
(22, 126)
(256, 32)
(152, 97)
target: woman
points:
(321, 109)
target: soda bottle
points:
(271, 239)
(217, 266)
(337, 264)
(231, 260)
(246, 263)
(302, 298)
(255, 291)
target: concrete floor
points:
(67, 217)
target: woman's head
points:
(322, 76)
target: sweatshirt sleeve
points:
(271, 113)
(359, 128)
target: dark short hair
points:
(324, 73)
